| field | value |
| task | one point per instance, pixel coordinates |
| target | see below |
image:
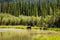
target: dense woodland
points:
(36, 13)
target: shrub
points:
(48, 21)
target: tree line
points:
(30, 8)
(37, 9)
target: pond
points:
(24, 34)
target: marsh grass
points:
(44, 37)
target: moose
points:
(29, 27)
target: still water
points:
(23, 34)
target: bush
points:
(7, 19)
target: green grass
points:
(10, 26)
(44, 37)
(55, 29)
(18, 26)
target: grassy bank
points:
(25, 27)
(14, 26)
(18, 26)
(55, 29)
